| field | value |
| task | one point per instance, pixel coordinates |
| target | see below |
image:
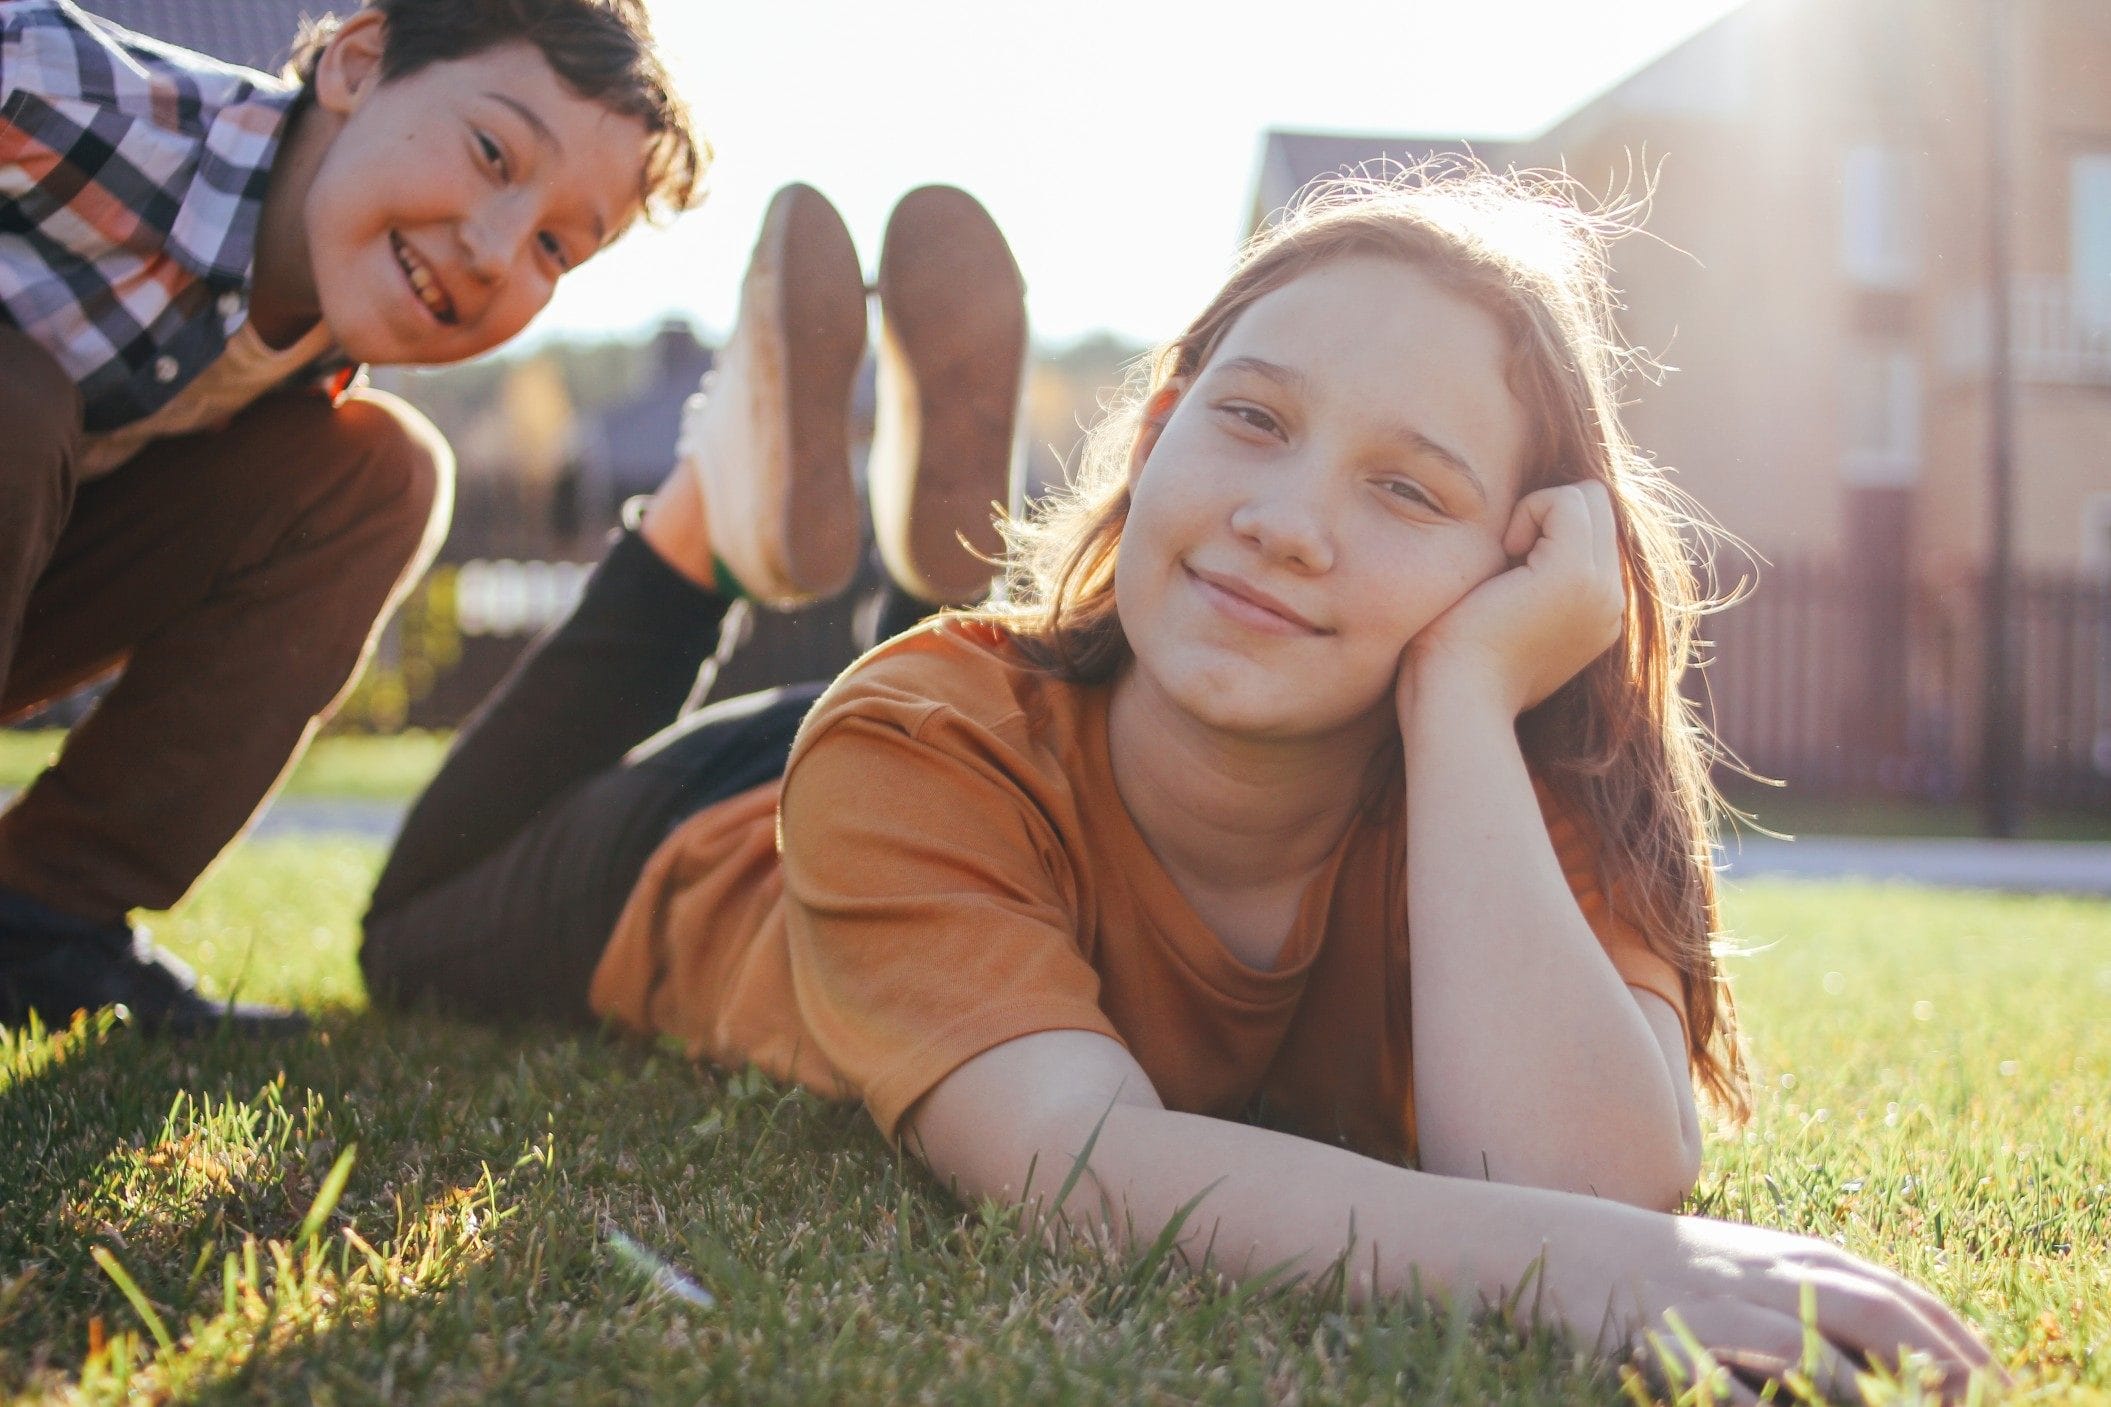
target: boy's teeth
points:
(423, 284)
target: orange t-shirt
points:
(948, 866)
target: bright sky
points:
(1116, 143)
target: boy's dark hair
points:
(602, 49)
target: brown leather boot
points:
(768, 435)
(952, 359)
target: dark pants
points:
(505, 883)
(237, 577)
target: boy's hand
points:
(1525, 632)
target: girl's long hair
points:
(1619, 744)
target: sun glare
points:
(1116, 144)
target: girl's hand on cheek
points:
(1528, 630)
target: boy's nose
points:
(493, 239)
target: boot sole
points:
(952, 363)
(818, 300)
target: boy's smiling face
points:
(448, 201)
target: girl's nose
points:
(1285, 521)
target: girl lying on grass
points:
(1315, 827)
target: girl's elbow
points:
(1662, 1183)
(1686, 1169)
(1654, 1175)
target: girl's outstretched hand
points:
(1767, 1305)
(1527, 631)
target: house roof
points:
(1695, 75)
(253, 33)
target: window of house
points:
(2096, 564)
(1881, 405)
(2089, 258)
(1880, 241)
(2096, 537)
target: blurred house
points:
(1067, 389)
(626, 446)
(254, 33)
(1816, 269)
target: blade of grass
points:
(129, 1287)
(326, 1199)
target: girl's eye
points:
(1254, 416)
(493, 157)
(1407, 491)
(555, 249)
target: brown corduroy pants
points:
(237, 578)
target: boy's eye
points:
(553, 247)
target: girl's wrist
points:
(1456, 686)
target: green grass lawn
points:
(1934, 1070)
(391, 768)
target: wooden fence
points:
(1835, 681)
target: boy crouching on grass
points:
(194, 260)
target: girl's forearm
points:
(1073, 1110)
(1533, 1062)
(1271, 1201)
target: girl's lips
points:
(1251, 606)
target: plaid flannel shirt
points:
(132, 175)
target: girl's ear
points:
(350, 65)
(1156, 411)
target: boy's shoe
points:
(952, 358)
(768, 436)
(54, 965)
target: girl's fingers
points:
(1880, 1319)
(1548, 515)
(1522, 532)
(1964, 1341)
(1755, 1344)
(1576, 519)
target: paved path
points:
(2017, 865)
(2020, 866)
(2023, 866)
(314, 815)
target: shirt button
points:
(165, 369)
(230, 303)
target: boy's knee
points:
(397, 468)
(41, 408)
(365, 488)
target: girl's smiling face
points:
(1335, 476)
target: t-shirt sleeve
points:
(928, 911)
(1639, 965)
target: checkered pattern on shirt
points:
(132, 174)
